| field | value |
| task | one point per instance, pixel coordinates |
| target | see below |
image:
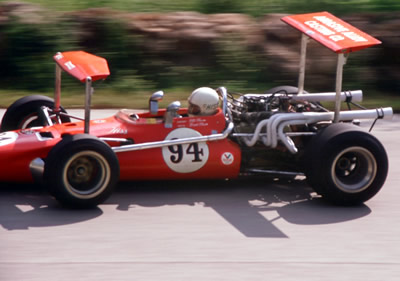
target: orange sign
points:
(331, 32)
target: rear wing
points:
(333, 33)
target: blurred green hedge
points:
(26, 49)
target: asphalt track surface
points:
(205, 230)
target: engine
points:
(248, 110)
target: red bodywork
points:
(223, 159)
(203, 160)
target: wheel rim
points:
(29, 121)
(354, 169)
(86, 174)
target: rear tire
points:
(345, 165)
(26, 113)
(81, 171)
(284, 90)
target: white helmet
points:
(203, 101)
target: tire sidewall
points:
(283, 89)
(24, 107)
(340, 144)
(324, 149)
(61, 155)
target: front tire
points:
(26, 112)
(345, 165)
(81, 171)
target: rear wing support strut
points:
(302, 71)
(342, 58)
(341, 61)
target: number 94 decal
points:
(185, 158)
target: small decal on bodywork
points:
(227, 158)
(100, 121)
(119, 131)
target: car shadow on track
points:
(245, 204)
(23, 206)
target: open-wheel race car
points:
(284, 131)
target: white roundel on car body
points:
(7, 138)
(185, 158)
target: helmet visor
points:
(194, 109)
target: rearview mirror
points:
(172, 112)
(153, 101)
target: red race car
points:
(285, 132)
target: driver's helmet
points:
(203, 101)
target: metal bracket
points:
(46, 115)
